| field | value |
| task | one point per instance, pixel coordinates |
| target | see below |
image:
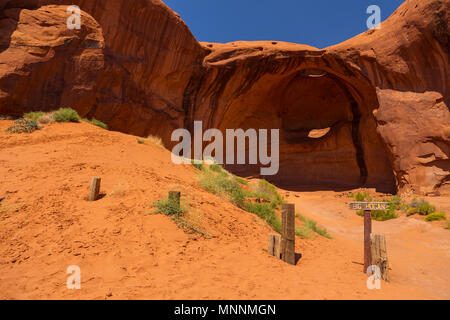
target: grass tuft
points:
(169, 207)
(309, 227)
(155, 140)
(96, 122)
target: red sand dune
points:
(46, 224)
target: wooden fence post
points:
(95, 189)
(367, 232)
(175, 197)
(288, 233)
(274, 247)
(379, 255)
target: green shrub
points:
(425, 208)
(168, 207)
(384, 215)
(23, 125)
(380, 215)
(140, 141)
(66, 115)
(411, 211)
(435, 216)
(362, 197)
(34, 116)
(265, 212)
(198, 166)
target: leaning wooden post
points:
(379, 255)
(367, 232)
(288, 233)
(95, 189)
(174, 196)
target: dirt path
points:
(419, 251)
(46, 225)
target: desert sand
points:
(46, 224)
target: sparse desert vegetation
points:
(397, 206)
(96, 122)
(23, 126)
(155, 140)
(261, 198)
(61, 115)
(190, 220)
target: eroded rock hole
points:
(322, 143)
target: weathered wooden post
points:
(379, 255)
(95, 189)
(367, 232)
(174, 196)
(274, 247)
(367, 207)
(288, 233)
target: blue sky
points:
(319, 23)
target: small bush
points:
(436, 216)
(23, 125)
(380, 215)
(411, 211)
(34, 116)
(140, 141)
(66, 115)
(361, 197)
(425, 208)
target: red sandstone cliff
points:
(379, 101)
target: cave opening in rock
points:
(327, 140)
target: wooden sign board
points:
(369, 206)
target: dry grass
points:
(47, 118)
(192, 220)
(119, 189)
(155, 140)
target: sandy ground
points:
(46, 225)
